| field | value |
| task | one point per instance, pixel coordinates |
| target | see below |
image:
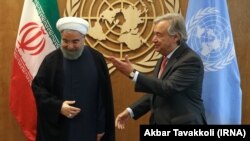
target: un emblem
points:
(123, 27)
(210, 35)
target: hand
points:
(124, 67)
(68, 110)
(121, 119)
(99, 136)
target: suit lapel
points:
(169, 65)
(173, 59)
(157, 68)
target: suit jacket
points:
(48, 91)
(175, 98)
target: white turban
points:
(73, 23)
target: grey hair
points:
(177, 24)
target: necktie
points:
(163, 65)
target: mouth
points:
(156, 46)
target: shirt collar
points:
(171, 53)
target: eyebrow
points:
(71, 40)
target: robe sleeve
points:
(48, 105)
(107, 97)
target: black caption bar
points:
(217, 132)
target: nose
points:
(70, 46)
(154, 39)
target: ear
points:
(177, 37)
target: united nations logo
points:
(210, 36)
(123, 27)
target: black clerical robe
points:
(49, 91)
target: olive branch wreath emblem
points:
(192, 24)
(148, 63)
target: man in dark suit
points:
(173, 93)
